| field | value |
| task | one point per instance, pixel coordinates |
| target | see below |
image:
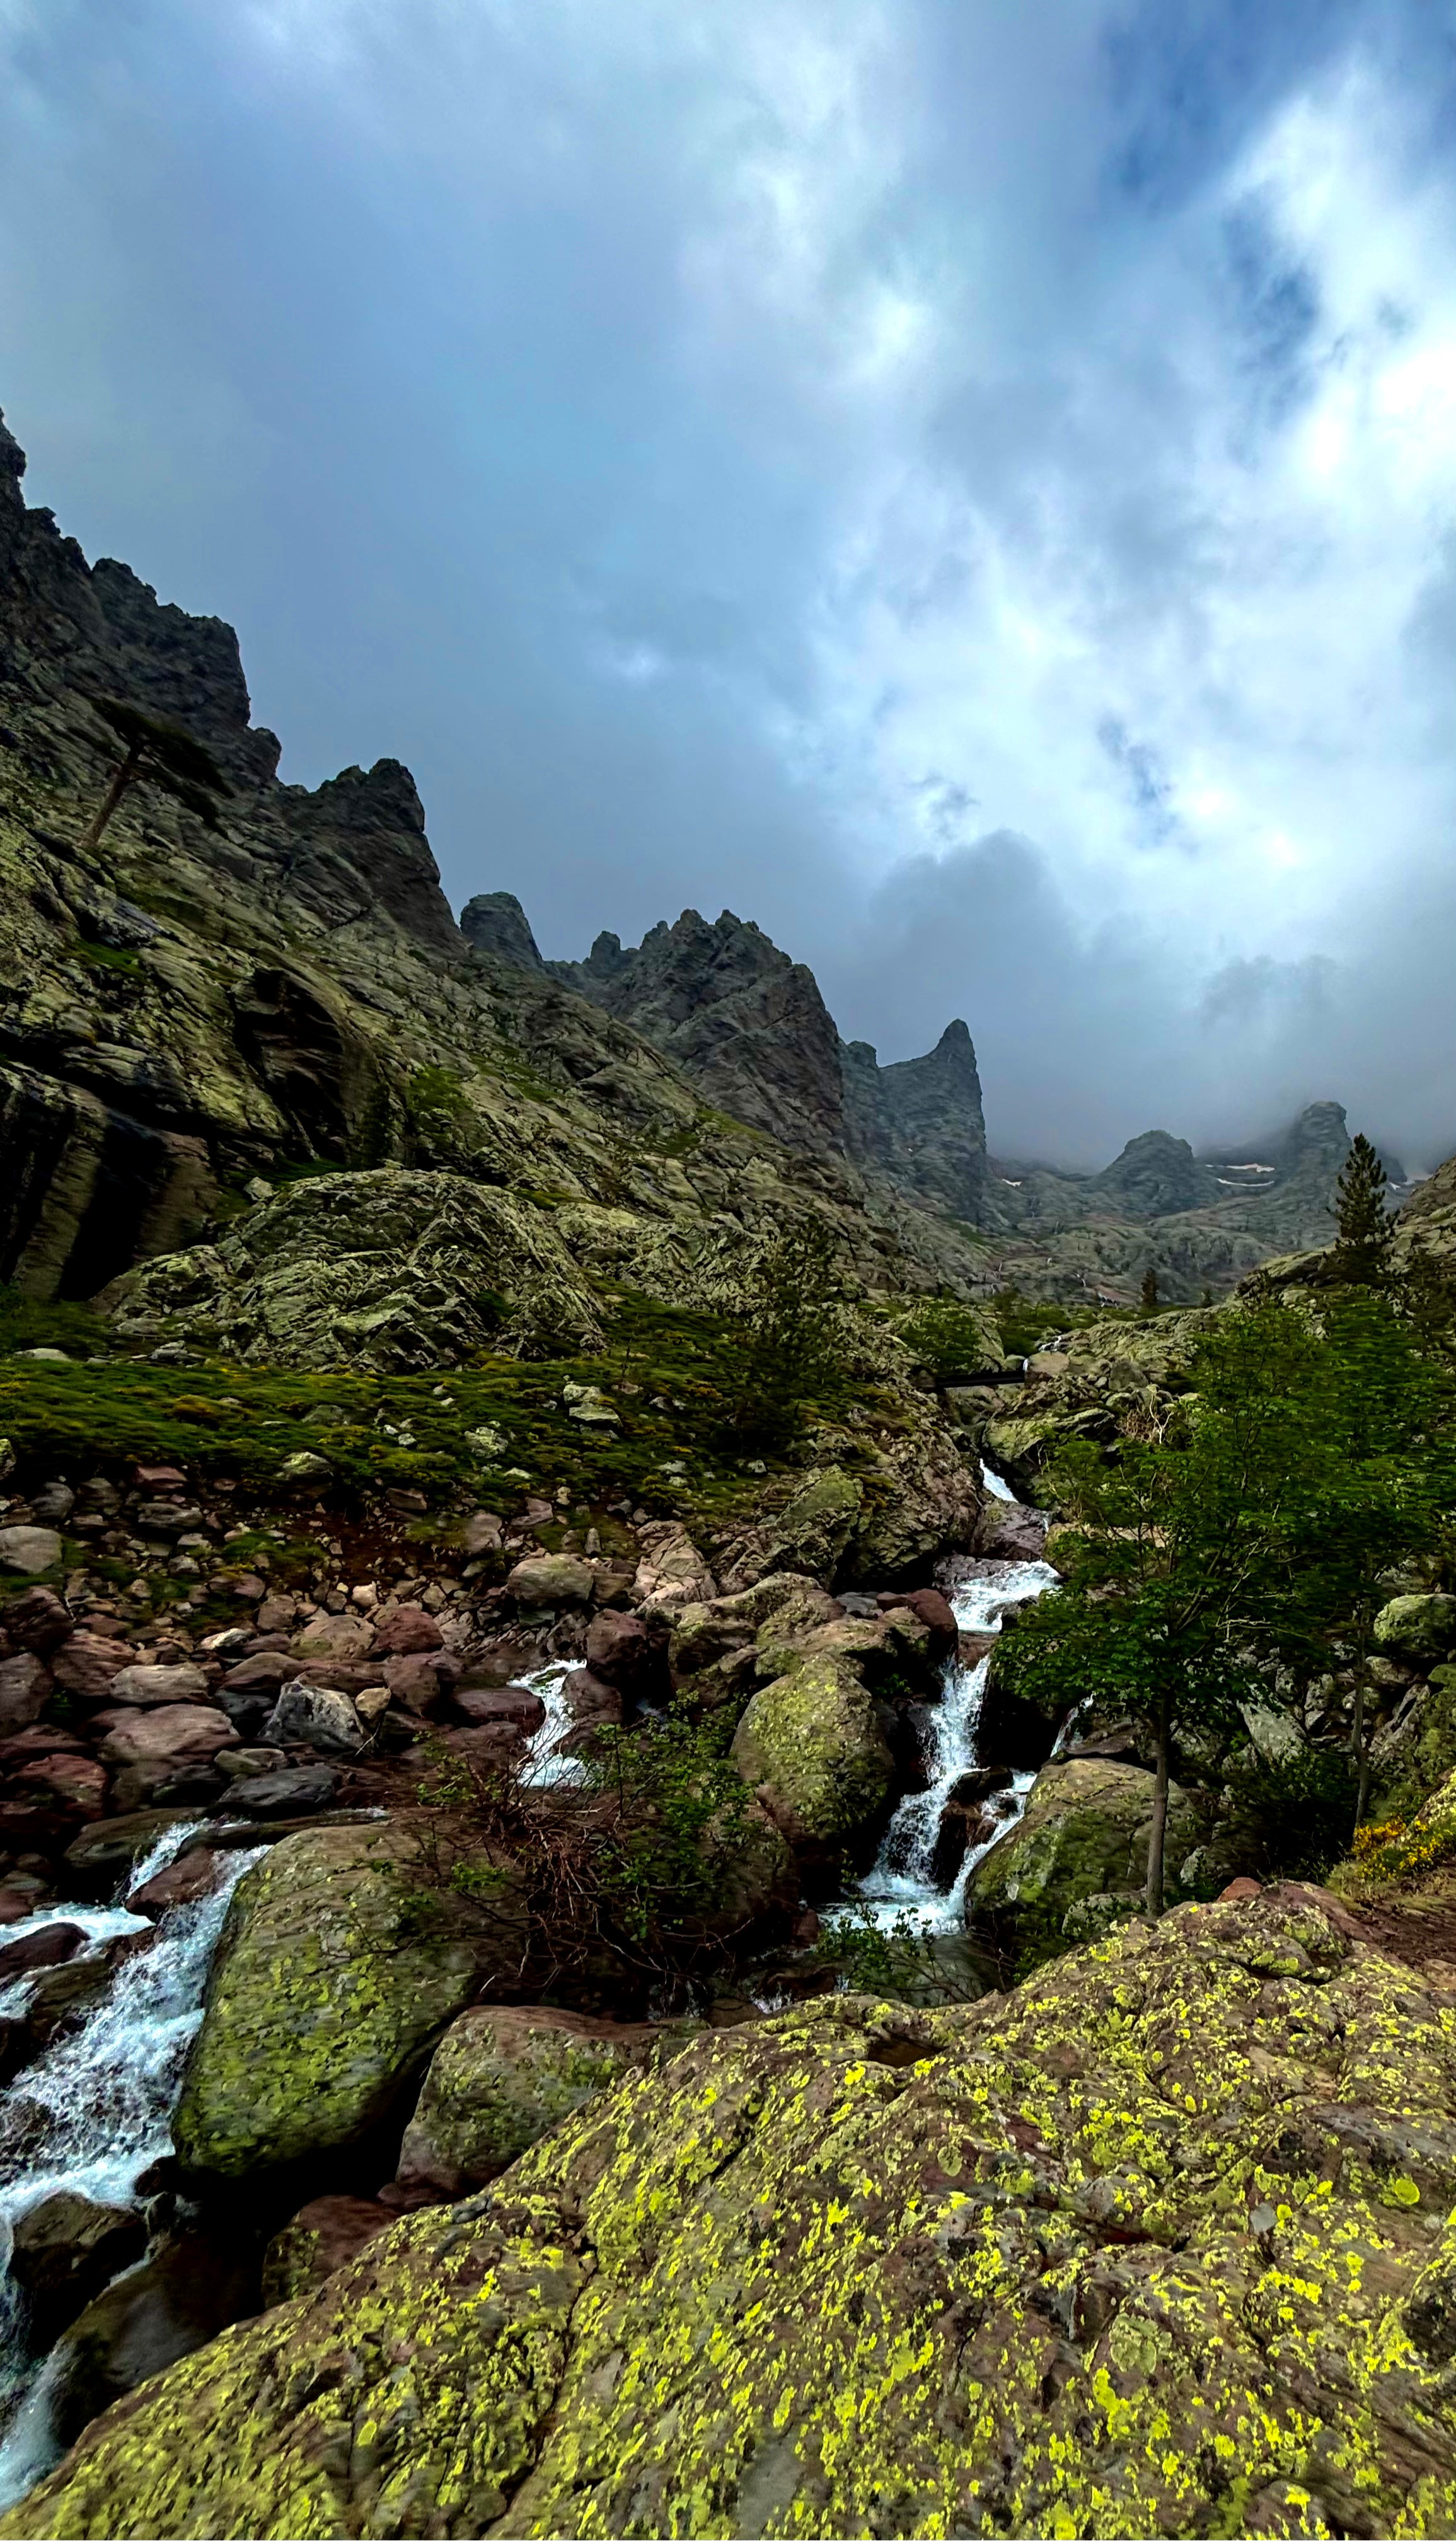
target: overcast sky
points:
(969, 483)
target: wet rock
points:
(932, 1609)
(25, 1685)
(323, 1996)
(407, 1629)
(515, 1703)
(500, 2078)
(171, 2304)
(593, 1706)
(30, 1548)
(48, 1947)
(321, 2236)
(101, 1855)
(21, 1893)
(550, 1580)
(960, 1830)
(64, 2251)
(313, 1717)
(811, 1746)
(151, 1685)
(295, 1790)
(1008, 1532)
(194, 1873)
(422, 1682)
(1012, 1731)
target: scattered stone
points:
(302, 1466)
(25, 1685)
(407, 1631)
(36, 1619)
(483, 1532)
(163, 1741)
(75, 1782)
(550, 1580)
(811, 1746)
(1420, 1628)
(672, 1573)
(335, 1636)
(277, 1614)
(52, 1506)
(102, 1854)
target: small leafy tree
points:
(156, 753)
(1363, 1228)
(793, 1341)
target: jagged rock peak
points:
(496, 923)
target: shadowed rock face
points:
(1153, 2244)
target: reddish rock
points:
(618, 1648)
(594, 1705)
(344, 1637)
(48, 1947)
(89, 1665)
(74, 1782)
(494, 1743)
(25, 1687)
(408, 1629)
(278, 1614)
(193, 1874)
(1240, 1888)
(930, 1609)
(165, 1739)
(158, 1478)
(36, 1619)
(514, 1703)
(262, 1673)
(422, 1681)
(483, 1533)
(39, 1741)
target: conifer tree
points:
(1363, 1241)
(161, 753)
(1147, 1295)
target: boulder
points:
(295, 1790)
(407, 1629)
(102, 1856)
(593, 1705)
(422, 1682)
(150, 1685)
(263, 1673)
(1007, 1532)
(671, 1572)
(193, 1874)
(1083, 1833)
(64, 2251)
(811, 1746)
(30, 1549)
(49, 1945)
(619, 1650)
(335, 1636)
(812, 1531)
(319, 2237)
(483, 1706)
(75, 1783)
(1417, 1627)
(550, 1580)
(309, 1715)
(89, 1664)
(163, 1741)
(840, 2219)
(934, 1611)
(499, 2079)
(36, 1619)
(174, 2301)
(705, 1633)
(25, 1685)
(324, 1994)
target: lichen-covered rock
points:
(387, 1269)
(1412, 1754)
(1084, 1833)
(501, 2077)
(550, 1580)
(1156, 2245)
(1419, 1628)
(811, 1746)
(322, 1998)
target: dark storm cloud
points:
(973, 489)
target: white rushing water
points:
(94, 2112)
(900, 1887)
(544, 1761)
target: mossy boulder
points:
(1413, 1753)
(1154, 2245)
(501, 2076)
(323, 1998)
(1417, 1627)
(811, 1745)
(1084, 1835)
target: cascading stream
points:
(93, 2113)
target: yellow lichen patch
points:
(862, 2270)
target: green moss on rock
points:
(322, 1998)
(1085, 1835)
(811, 1745)
(501, 2077)
(1157, 2246)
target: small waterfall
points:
(94, 2112)
(543, 1762)
(900, 1885)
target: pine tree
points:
(1363, 1235)
(1147, 1295)
(161, 753)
